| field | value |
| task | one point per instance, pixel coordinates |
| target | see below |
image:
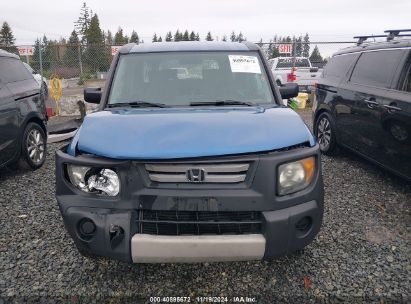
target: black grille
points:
(198, 222)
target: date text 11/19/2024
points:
(204, 299)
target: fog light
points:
(86, 229)
(304, 225)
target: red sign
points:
(26, 50)
(285, 48)
(114, 49)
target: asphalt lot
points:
(362, 253)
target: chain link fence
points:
(93, 61)
(80, 65)
(318, 52)
(65, 60)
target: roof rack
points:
(396, 33)
(361, 39)
(391, 34)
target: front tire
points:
(325, 131)
(34, 146)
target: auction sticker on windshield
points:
(244, 64)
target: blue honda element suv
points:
(191, 157)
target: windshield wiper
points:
(227, 102)
(137, 104)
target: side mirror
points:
(289, 90)
(92, 95)
(313, 70)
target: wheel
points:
(34, 146)
(325, 129)
(398, 131)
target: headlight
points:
(295, 176)
(93, 180)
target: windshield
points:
(289, 62)
(184, 78)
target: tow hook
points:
(116, 235)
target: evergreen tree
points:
(273, 48)
(35, 60)
(224, 38)
(134, 37)
(177, 36)
(233, 36)
(209, 37)
(96, 56)
(6, 35)
(197, 37)
(192, 36)
(299, 47)
(169, 37)
(109, 38)
(104, 36)
(47, 55)
(306, 46)
(160, 39)
(240, 37)
(94, 34)
(316, 56)
(71, 55)
(119, 38)
(154, 38)
(274, 52)
(83, 22)
(293, 44)
(186, 36)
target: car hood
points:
(153, 133)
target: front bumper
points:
(280, 235)
(115, 231)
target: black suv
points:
(363, 102)
(22, 115)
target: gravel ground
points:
(362, 253)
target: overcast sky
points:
(323, 19)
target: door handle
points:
(392, 108)
(371, 102)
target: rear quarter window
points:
(376, 68)
(12, 70)
(338, 66)
(404, 83)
